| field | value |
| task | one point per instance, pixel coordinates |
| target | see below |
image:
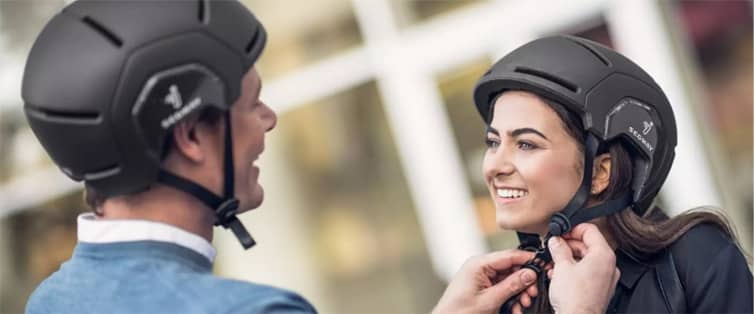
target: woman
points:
(579, 133)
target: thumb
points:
(511, 286)
(560, 251)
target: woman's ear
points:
(601, 173)
(185, 140)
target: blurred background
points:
(374, 194)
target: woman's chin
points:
(509, 223)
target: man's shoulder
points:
(235, 286)
(239, 296)
(172, 292)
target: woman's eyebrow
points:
(520, 131)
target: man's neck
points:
(163, 204)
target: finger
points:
(525, 300)
(560, 251)
(517, 309)
(578, 248)
(532, 290)
(549, 266)
(504, 260)
(589, 234)
(511, 285)
(616, 276)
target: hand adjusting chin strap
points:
(573, 214)
(226, 207)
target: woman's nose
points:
(505, 168)
(499, 164)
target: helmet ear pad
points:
(168, 98)
(637, 123)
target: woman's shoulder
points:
(703, 237)
(702, 243)
(706, 256)
(706, 249)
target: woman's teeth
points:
(511, 193)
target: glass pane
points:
(303, 32)
(361, 224)
(720, 34)
(411, 12)
(20, 22)
(456, 86)
(37, 241)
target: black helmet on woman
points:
(616, 101)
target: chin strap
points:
(225, 207)
(573, 214)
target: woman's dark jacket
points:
(703, 272)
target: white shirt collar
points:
(93, 230)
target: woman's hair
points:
(640, 236)
(95, 200)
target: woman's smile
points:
(509, 195)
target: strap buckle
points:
(226, 212)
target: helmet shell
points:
(98, 77)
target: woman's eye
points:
(526, 145)
(491, 143)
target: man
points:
(155, 106)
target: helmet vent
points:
(203, 11)
(594, 52)
(103, 31)
(102, 172)
(253, 40)
(82, 117)
(547, 76)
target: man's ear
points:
(601, 173)
(185, 140)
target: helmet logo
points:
(633, 118)
(647, 127)
(641, 138)
(174, 98)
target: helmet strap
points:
(226, 207)
(561, 223)
(574, 213)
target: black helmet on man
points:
(105, 82)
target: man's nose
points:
(270, 117)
